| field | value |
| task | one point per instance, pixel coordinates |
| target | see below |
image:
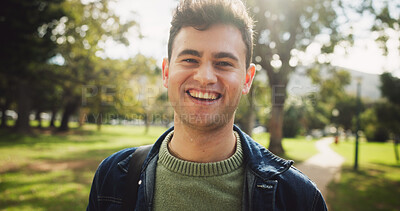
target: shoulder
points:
(295, 176)
(112, 169)
(108, 179)
(118, 160)
(301, 191)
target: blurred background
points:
(81, 79)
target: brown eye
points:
(190, 60)
(224, 64)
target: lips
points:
(203, 95)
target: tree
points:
(24, 45)
(373, 129)
(285, 29)
(293, 117)
(125, 89)
(331, 95)
(45, 91)
(346, 107)
(389, 112)
(6, 98)
(386, 21)
(80, 36)
(390, 88)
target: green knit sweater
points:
(184, 185)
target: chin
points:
(204, 121)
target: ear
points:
(165, 72)
(250, 73)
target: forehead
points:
(217, 38)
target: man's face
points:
(207, 75)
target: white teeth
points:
(203, 95)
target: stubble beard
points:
(204, 122)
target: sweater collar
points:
(260, 160)
(195, 169)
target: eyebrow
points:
(190, 52)
(219, 55)
(225, 55)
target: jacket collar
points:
(260, 160)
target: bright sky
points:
(154, 17)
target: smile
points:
(205, 96)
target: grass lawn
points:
(297, 149)
(54, 171)
(375, 186)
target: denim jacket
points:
(271, 183)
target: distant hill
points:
(300, 84)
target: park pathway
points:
(324, 166)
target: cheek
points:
(235, 82)
(234, 88)
(177, 79)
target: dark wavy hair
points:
(201, 14)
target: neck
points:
(203, 146)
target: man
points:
(205, 162)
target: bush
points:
(291, 122)
(373, 129)
(375, 133)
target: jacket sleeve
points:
(319, 202)
(108, 183)
(93, 203)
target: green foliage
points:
(292, 121)
(390, 87)
(23, 41)
(125, 89)
(25, 48)
(347, 107)
(388, 113)
(53, 50)
(383, 118)
(81, 35)
(373, 129)
(331, 82)
(284, 30)
(386, 20)
(331, 95)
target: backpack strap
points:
(134, 170)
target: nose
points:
(205, 74)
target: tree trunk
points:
(69, 110)
(396, 151)
(38, 118)
(275, 130)
(278, 97)
(147, 122)
(3, 113)
(3, 117)
(23, 108)
(99, 121)
(53, 117)
(83, 116)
